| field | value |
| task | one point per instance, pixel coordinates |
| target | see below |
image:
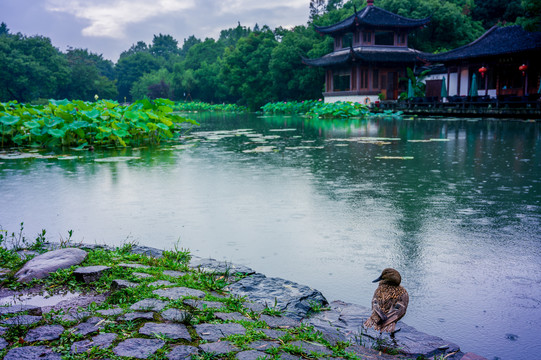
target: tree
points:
(156, 84)
(164, 46)
(30, 68)
(491, 12)
(140, 46)
(130, 68)
(531, 21)
(188, 43)
(4, 29)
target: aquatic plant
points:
(80, 124)
(317, 108)
(202, 106)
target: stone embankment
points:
(253, 317)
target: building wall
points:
(352, 98)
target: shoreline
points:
(296, 305)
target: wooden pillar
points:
(448, 80)
(458, 77)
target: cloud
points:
(110, 18)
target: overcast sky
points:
(109, 27)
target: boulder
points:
(42, 265)
(293, 299)
(89, 274)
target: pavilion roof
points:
(368, 54)
(372, 17)
(496, 41)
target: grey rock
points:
(134, 266)
(74, 316)
(345, 321)
(89, 274)
(222, 267)
(100, 341)
(175, 315)
(161, 283)
(179, 292)
(251, 355)
(16, 309)
(110, 312)
(255, 307)
(172, 331)
(214, 332)
(287, 356)
(174, 273)
(137, 315)
(25, 254)
(42, 265)
(149, 305)
(309, 348)
(138, 348)
(91, 326)
(118, 284)
(218, 348)
(148, 251)
(4, 272)
(202, 305)
(273, 334)
(235, 316)
(44, 333)
(280, 322)
(3, 344)
(22, 320)
(182, 352)
(32, 353)
(293, 299)
(2, 330)
(262, 345)
(142, 275)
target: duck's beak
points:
(378, 279)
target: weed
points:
(274, 311)
(317, 307)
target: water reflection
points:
(460, 217)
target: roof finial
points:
(369, 2)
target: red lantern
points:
(483, 70)
(523, 68)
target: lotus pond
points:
(453, 204)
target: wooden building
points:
(506, 62)
(370, 54)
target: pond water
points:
(453, 204)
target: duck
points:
(389, 303)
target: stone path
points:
(164, 323)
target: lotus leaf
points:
(9, 120)
(57, 133)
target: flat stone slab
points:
(3, 344)
(100, 341)
(175, 315)
(293, 299)
(118, 284)
(345, 322)
(111, 312)
(89, 274)
(44, 333)
(222, 267)
(141, 275)
(262, 345)
(16, 309)
(42, 265)
(235, 316)
(161, 283)
(174, 273)
(149, 305)
(172, 331)
(32, 353)
(22, 320)
(133, 266)
(138, 348)
(74, 316)
(309, 348)
(288, 356)
(218, 348)
(214, 332)
(202, 305)
(250, 355)
(177, 293)
(281, 322)
(273, 334)
(137, 315)
(182, 352)
(91, 326)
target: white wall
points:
(353, 98)
(464, 82)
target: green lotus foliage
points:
(318, 108)
(202, 106)
(80, 123)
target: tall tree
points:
(531, 21)
(164, 46)
(130, 68)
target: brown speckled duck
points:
(389, 303)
